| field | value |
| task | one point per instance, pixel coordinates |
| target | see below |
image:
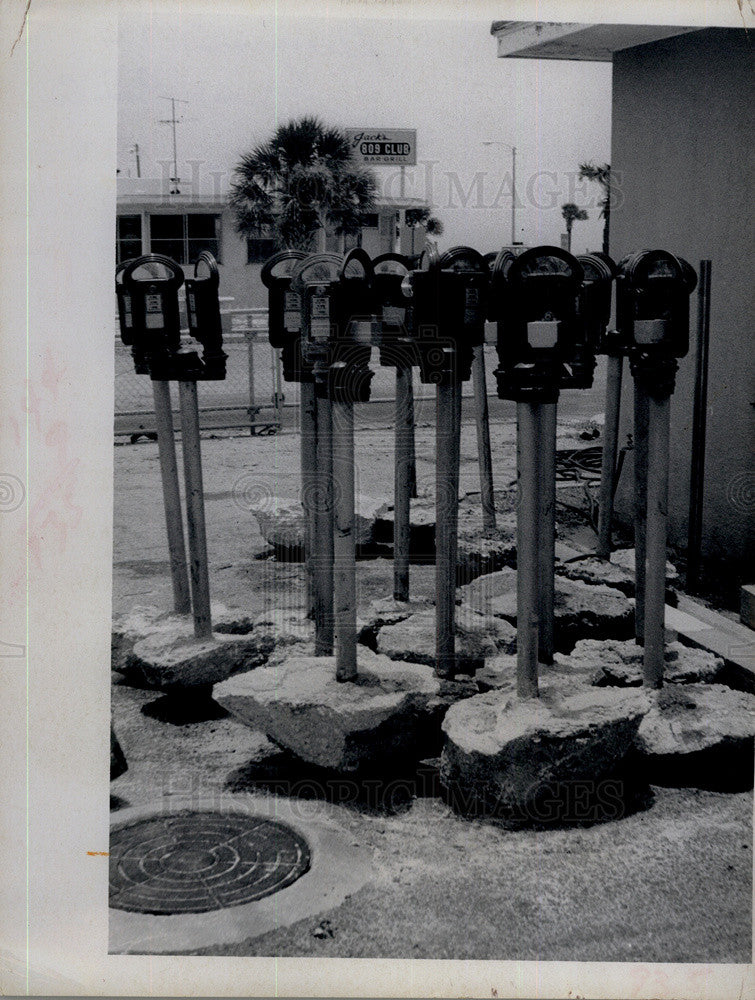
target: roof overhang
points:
(582, 42)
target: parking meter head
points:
(203, 311)
(312, 279)
(123, 298)
(594, 314)
(538, 323)
(652, 304)
(283, 304)
(449, 301)
(152, 283)
(353, 329)
(394, 310)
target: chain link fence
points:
(253, 395)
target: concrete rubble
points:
(700, 735)
(522, 758)
(390, 715)
(477, 637)
(581, 610)
(617, 572)
(282, 526)
(618, 663)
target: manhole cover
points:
(192, 862)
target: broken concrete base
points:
(613, 663)
(624, 558)
(699, 735)
(386, 611)
(477, 637)
(617, 572)
(142, 621)
(390, 714)
(580, 610)
(528, 759)
(485, 551)
(282, 526)
(172, 659)
(480, 550)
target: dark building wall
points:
(681, 155)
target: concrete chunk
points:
(614, 663)
(581, 610)
(172, 659)
(523, 758)
(389, 715)
(477, 637)
(699, 735)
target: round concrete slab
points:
(337, 868)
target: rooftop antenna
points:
(173, 121)
(135, 150)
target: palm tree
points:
(601, 174)
(302, 183)
(416, 217)
(572, 213)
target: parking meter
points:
(203, 310)
(354, 327)
(449, 301)
(594, 315)
(538, 325)
(156, 318)
(393, 311)
(652, 305)
(284, 313)
(312, 279)
(126, 320)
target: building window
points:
(261, 246)
(184, 237)
(128, 237)
(370, 221)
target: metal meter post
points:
(135, 335)
(655, 289)
(312, 279)
(537, 332)
(595, 316)
(284, 308)
(398, 350)
(352, 332)
(449, 302)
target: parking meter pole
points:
(402, 484)
(410, 420)
(166, 447)
(344, 553)
(482, 424)
(528, 422)
(446, 517)
(200, 581)
(323, 540)
(657, 512)
(546, 515)
(250, 339)
(640, 505)
(614, 368)
(308, 443)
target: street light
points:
(495, 142)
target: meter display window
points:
(128, 237)
(184, 237)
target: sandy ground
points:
(671, 882)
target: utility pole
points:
(494, 142)
(173, 121)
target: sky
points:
(242, 68)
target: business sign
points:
(387, 145)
